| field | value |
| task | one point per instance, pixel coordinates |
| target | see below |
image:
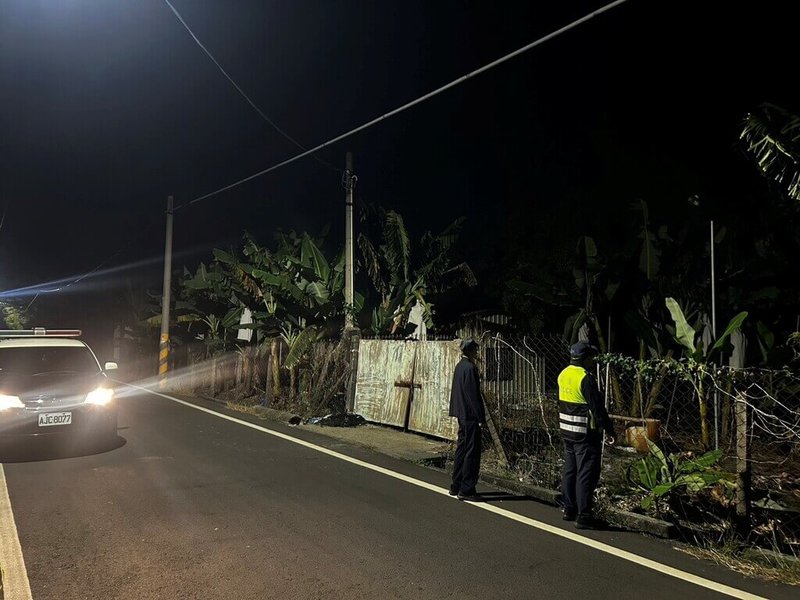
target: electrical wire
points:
(239, 89)
(408, 105)
(38, 292)
(362, 127)
(3, 219)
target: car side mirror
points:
(111, 366)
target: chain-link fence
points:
(520, 383)
(726, 439)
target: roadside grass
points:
(250, 409)
(752, 562)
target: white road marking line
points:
(569, 535)
(12, 565)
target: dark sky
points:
(108, 107)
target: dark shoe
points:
(569, 515)
(453, 491)
(470, 497)
(589, 523)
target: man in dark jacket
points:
(583, 420)
(466, 404)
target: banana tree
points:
(403, 274)
(593, 284)
(699, 356)
(771, 136)
(298, 343)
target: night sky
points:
(107, 107)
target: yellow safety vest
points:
(574, 417)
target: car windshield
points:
(47, 361)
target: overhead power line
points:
(68, 282)
(238, 88)
(408, 105)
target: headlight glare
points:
(10, 402)
(100, 396)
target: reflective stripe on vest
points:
(574, 416)
(573, 428)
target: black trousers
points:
(581, 473)
(467, 461)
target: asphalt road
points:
(189, 505)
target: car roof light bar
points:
(39, 332)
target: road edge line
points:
(15, 584)
(563, 533)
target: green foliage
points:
(700, 357)
(403, 273)
(772, 137)
(294, 289)
(685, 334)
(299, 344)
(592, 287)
(284, 286)
(660, 476)
(13, 316)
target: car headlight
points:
(100, 396)
(10, 402)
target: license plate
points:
(56, 418)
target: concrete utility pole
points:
(349, 185)
(351, 332)
(163, 348)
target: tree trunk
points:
(703, 407)
(276, 368)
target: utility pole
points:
(163, 347)
(351, 332)
(349, 185)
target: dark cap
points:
(582, 350)
(468, 344)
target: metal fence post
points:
(742, 467)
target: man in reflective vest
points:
(582, 419)
(466, 404)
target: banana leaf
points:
(311, 257)
(684, 333)
(224, 257)
(734, 324)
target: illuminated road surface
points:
(194, 506)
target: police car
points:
(52, 385)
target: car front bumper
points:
(85, 420)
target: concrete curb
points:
(636, 522)
(509, 485)
(643, 523)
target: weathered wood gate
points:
(407, 384)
